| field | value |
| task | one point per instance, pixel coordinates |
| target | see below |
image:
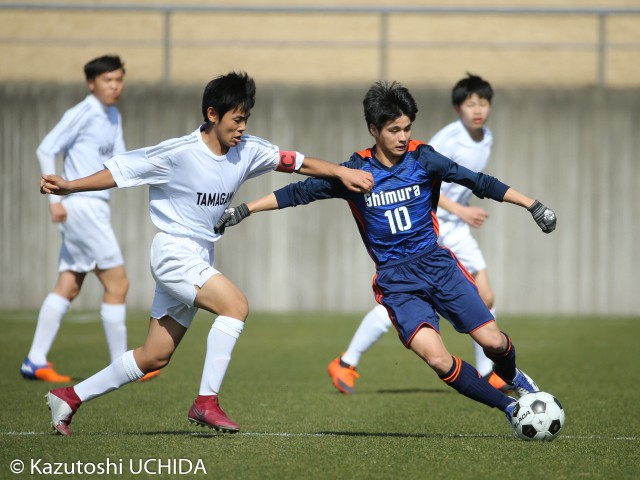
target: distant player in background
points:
(191, 181)
(467, 142)
(416, 279)
(87, 135)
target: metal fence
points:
(384, 38)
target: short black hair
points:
(387, 101)
(228, 92)
(100, 65)
(468, 86)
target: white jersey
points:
(454, 141)
(87, 135)
(190, 186)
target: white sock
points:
(483, 364)
(222, 338)
(124, 370)
(115, 328)
(375, 324)
(53, 309)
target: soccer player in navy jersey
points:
(416, 279)
(468, 142)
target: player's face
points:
(231, 127)
(107, 87)
(474, 112)
(392, 140)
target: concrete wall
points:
(576, 150)
(556, 46)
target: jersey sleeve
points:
(64, 133)
(266, 157)
(445, 169)
(138, 168)
(312, 189)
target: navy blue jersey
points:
(397, 219)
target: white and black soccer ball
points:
(537, 416)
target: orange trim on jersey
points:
(366, 153)
(454, 376)
(436, 223)
(414, 144)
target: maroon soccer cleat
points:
(206, 412)
(63, 403)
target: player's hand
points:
(357, 181)
(544, 217)
(54, 184)
(474, 216)
(231, 216)
(58, 213)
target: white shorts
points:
(88, 240)
(178, 265)
(457, 237)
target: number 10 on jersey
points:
(399, 219)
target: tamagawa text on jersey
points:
(214, 199)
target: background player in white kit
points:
(467, 142)
(87, 135)
(192, 180)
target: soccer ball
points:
(537, 416)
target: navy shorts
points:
(416, 290)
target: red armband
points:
(287, 162)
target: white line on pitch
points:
(329, 434)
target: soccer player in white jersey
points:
(467, 142)
(191, 181)
(87, 135)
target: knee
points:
(441, 363)
(238, 309)
(151, 361)
(70, 292)
(496, 342)
(119, 288)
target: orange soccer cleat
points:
(344, 376)
(149, 376)
(45, 373)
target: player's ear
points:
(373, 130)
(212, 116)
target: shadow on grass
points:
(446, 391)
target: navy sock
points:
(466, 380)
(504, 364)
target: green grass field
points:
(402, 422)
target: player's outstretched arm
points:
(543, 216)
(56, 185)
(234, 215)
(357, 181)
